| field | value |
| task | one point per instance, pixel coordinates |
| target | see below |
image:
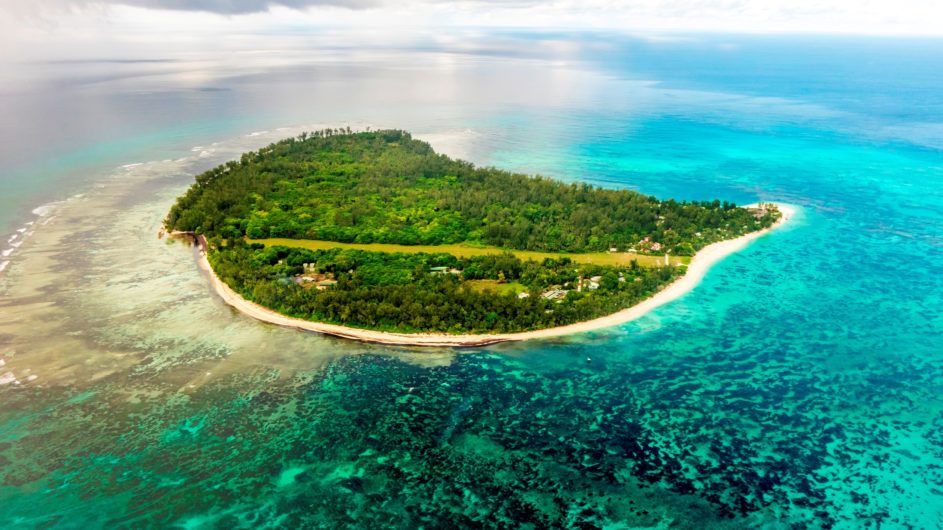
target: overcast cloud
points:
(906, 17)
(235, 7)
(222, 7)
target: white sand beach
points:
(698, 267)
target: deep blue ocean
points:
(799, 386)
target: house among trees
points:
(649, 245)
(311, 276)
(760, 211)
(324, 284)
(553, 294)
(444, 270)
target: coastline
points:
(697, 268)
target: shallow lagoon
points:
(798, 385)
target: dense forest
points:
(385, 187)
(398, 292)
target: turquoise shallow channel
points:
(800, 385)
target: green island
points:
(374, 230)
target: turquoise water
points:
(797, 387)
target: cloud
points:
(223, 7)
(901, 17)
(235, 7)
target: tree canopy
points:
(386, 187)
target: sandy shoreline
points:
(698, 267)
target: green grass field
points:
(497, 287)
(463, 251)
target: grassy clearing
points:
(463, 251)
(496, 287)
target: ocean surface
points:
(799, 386)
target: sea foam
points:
(17, 239)
(45, 209)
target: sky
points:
(37, 31)
(898, 17)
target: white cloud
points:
(27, 24)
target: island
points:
(374, 236)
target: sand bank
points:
(698, 267)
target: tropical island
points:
(374, 236)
